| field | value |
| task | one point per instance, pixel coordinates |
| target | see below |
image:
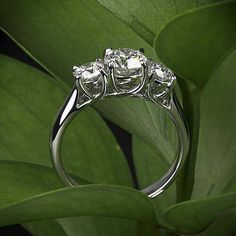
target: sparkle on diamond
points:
(90, 72)
(161, 73)
(90, 75)
(126, 62)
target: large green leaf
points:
(147, 17)
(34, 100)
(33, 201)
(193, 216)
(61, 34)
(195, 43)
(216, 164)
(21, 180)
(222, 226)
(206, 37)
(80, 37)
(26, 126)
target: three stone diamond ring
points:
(123, 72)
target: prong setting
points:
(125, 71)
(90, 78)
(107, 51)
(126, 67)
(161, 84)
(141, 50)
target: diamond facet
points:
(162, 80)
(127, 65)
(161, 73)
(90, 75)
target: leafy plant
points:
(194, 38)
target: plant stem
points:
(191, 107)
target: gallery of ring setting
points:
(125, 71)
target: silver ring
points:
(123, 72)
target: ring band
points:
(123, 72)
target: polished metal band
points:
(69, 110)
(81, 96)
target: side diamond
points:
(90, 76)
(161, 73)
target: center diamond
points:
(127, 63)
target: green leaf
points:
(32, 202)
(215, 166)
(27, 123)
(46, 228)
(205, 50)
(106, 226)
(147, 19)
(21, 180)
(195, 43)
(58, 44)
(222, 226)
(86, 225)
(143, 119)
(194, 215)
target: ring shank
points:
(176, 115)
(69, 110)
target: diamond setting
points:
(127, 65)
(125, 71)
(162, 79)
(162, 73)
(90, 76)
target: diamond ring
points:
(123, 72)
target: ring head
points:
(127, 65)
(90, 77)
